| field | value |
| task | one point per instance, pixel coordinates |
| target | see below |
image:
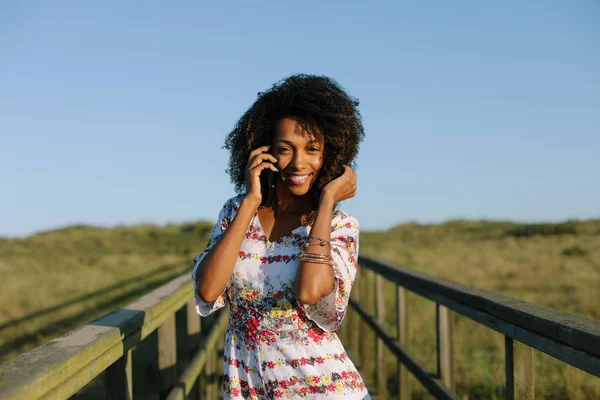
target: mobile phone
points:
(267, 187)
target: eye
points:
(314, 149)
(283, 149)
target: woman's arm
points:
(313, 280)
(216, 267)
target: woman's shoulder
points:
(232, 205)
(234, 201)
(342, 219)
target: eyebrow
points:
(291, 144)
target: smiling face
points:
(300, 155)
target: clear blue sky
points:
(115, 112)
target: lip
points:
(298, 179)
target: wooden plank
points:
(509, 368)
(444, 345)
(193, 326)
(380, 315)
(569, 329)
(565, 353)
(167, 354)
(191, 383)
(118, 378)
(519, 370)
(433, 385)
(66, 364)
(404, 392)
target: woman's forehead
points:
(292, 130)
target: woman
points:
(286, 270)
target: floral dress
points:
(276, 347)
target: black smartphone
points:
(267, 187)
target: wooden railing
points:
(61, 367)
(525, 326)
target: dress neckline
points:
(289, 233)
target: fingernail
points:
(276, 169)
(269, 146)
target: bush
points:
(574, 251)
(525, 230)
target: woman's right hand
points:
(259, 160)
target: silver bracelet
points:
(322, 242)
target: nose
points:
(299, 161)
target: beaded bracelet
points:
(322, 242)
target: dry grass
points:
(61, 279)
(560, 271)
(58, 280)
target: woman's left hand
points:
(342, 187)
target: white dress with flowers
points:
(275, 347)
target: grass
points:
(60, 279)
(556, 265)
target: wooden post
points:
(167, 353)
(380, 375)
(219, 364)
(118, 378)
(402, 338)
(519, 370)
(364, 340)
(202, 381)
(444, 345)
(353, 326)
(193, 326)
(369, 302)
(211, 382)
(193, 339)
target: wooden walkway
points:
(162, 329)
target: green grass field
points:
(57, 280)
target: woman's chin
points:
(298, 190)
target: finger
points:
(260, 167)
(258, 158)
(252, 158)
(261, 158)
(259, 150)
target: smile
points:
(298, 179)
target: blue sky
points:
(115, 112)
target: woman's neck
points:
(288, 204)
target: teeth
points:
(298, 178)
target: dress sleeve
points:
(329, 311)
(225, 217)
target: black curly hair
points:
(323, 109)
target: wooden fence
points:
(61, 367)
(525, 326)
